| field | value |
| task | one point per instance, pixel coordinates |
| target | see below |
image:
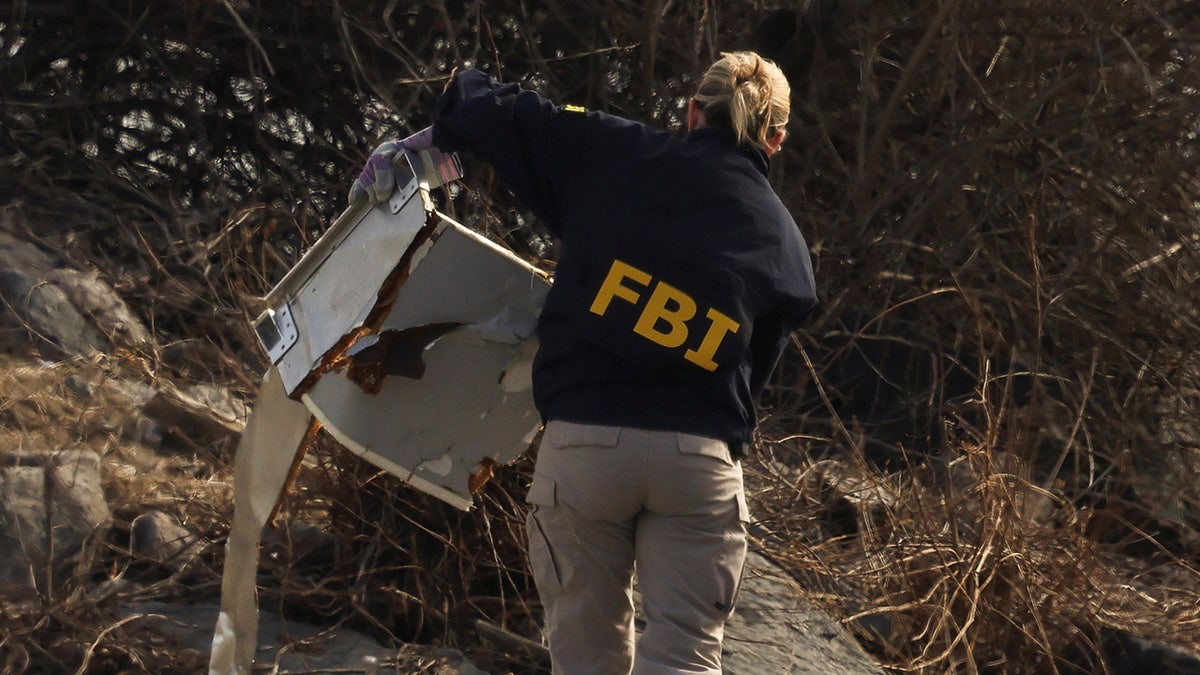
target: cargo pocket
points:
(739, 576)
(742, 507)
(731, 561)
(542, 560)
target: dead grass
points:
(965, 564)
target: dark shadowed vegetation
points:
(983, 453)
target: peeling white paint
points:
(440, 466)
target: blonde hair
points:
(747, 93)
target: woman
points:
(680, 277)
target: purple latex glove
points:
(377, 179)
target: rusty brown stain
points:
(481, 476)
(310, 437)
(397, 352)
(335, 357)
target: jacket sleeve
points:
(767, 342)
(523, 136)
(770, 338)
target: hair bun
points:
(747, 93)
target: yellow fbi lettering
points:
(667, 313)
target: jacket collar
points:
(725, 136)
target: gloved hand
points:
(377, 180)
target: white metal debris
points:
(410, 339)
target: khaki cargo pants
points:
(606, 499)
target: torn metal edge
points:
(405, 474)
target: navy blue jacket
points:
(680, 272)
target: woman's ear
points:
(775, 141)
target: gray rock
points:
(103, 308)
(203, 413)
(73, 311)
(79, 385)
(158, 537)
(297, 647)
(51, 504)
(775, 629)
